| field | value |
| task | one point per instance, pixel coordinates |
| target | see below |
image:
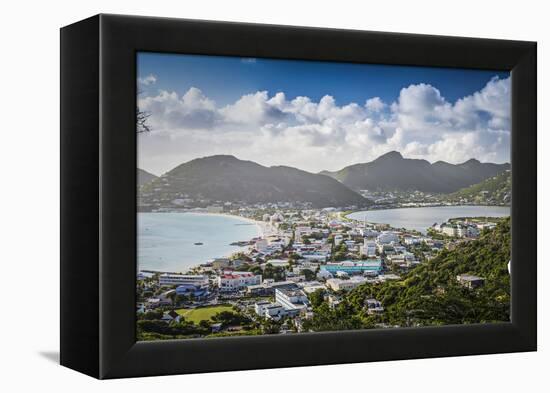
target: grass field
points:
(205, 313)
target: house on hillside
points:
(470, 281)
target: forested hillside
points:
(430, 294)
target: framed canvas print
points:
(239, 196)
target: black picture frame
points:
(98, 193)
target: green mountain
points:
(144, 177)
(430, 293)
(496, 190)
(227, 179)
(393, 172)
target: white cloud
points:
(274, 130)
(148, 80)
(375, 104)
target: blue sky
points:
(225, 79)
(317, 115)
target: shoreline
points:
(347, 216)
(264, 229)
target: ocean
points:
(166, 240)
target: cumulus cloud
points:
(276, 130)
(148, 80)
(375, 104)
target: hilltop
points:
(144, 177)
(226, 178)
(393, 172)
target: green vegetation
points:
(430, 293)
(273, 272)
(392, 172)
(226, 178)
(194, 323)
(340, 252)
(493, 191)
(203, 313)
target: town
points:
(305, 258)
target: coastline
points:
(388, 220)
(264, 229)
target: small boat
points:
(198, 244)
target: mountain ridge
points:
(144, 177)
(391, 171)
(227, 178)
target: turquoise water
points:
(166, 240)
(420, 218)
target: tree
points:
(317, 298)
(309, 274)
(152, 315)
(142, 120)
(142, 124)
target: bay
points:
(421, 218)
(166, 241)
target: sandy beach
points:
(265, 228)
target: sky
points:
(317, 115)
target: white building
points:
(370, 233)
(324, 275)
(168, 279)
(302, 231)
(311, 286)
(368, 248)
(292, 299)
(387, 237)
(293, 277)
(318, 256)
(388, 277)
(459, 230)
(274, 311)
(373, 306)
(259, 308)
(233, 281)
(412, 240)
(337, 284)
(270, 310)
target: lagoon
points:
(166, 241)
(421, 218)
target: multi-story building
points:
(387, 237)
(233, 281)
(167, 279)
(268, 288)
(189, 290)
(293, 300)
(337, 284)
(368, 248)
(270, 310)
